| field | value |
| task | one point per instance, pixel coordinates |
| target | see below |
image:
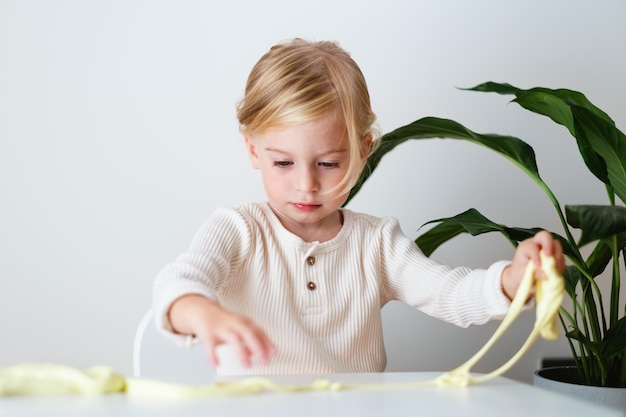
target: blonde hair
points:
(299, 81)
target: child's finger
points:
(260, 345)
(241, 350)
(211, 352)
(546, 242)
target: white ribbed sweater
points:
(320, 302)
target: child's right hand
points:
(214, 326)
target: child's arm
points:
(213, 325)
(528, 251)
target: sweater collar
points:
(314, 246)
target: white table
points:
(498, 397)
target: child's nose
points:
(307, 180)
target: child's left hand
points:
(528, 251)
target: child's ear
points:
(366, 145)
(250, 146)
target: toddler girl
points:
(296, 284)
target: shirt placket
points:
(311, 282)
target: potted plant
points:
(595, 325)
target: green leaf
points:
(470, 221)
(545, 101)
(599, 259)
(428, 242)
(572, 277)
(602, 254)
(555, 104)
(615, 339)
(514, 149)
(606, 141)
(473, 222)
(492, 87)
(576, 334)
(596, 222)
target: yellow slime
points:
(47, 379)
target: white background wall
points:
(118, 137)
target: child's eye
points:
(329, 164)
(282, 164)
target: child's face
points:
(302, 167)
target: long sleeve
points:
(217, 248)
(461, 295)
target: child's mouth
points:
(306, 207)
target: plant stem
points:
(615, 284)
(559, 211)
